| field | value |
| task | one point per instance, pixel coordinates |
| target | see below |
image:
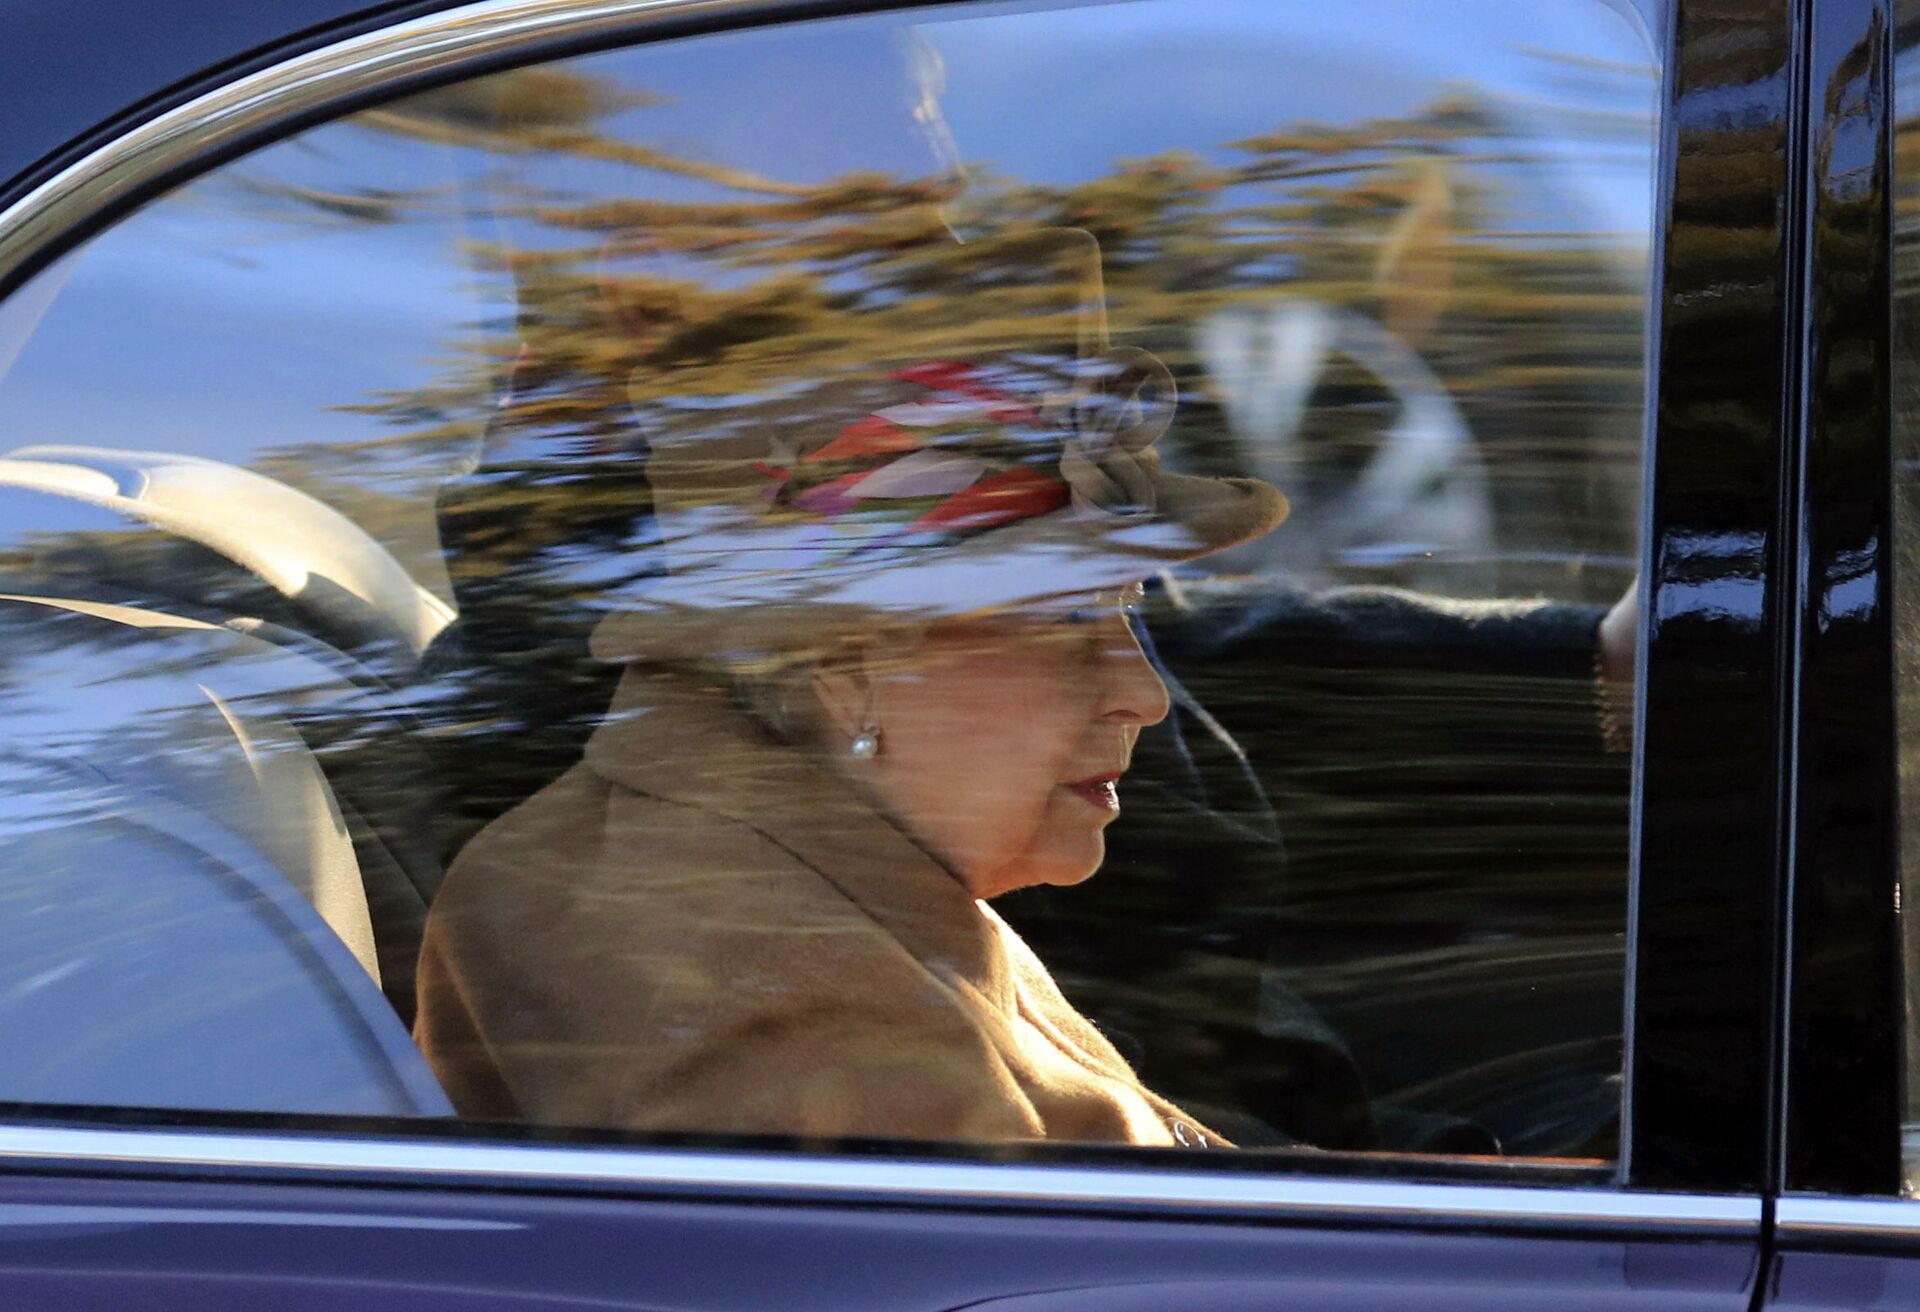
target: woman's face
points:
(1002, 739)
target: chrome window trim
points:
(1807, 1218)
(307, 84)
(742, 1176)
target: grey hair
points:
(778, 695)
(775, 688)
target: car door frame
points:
(1841, 1224)
(1746, 416)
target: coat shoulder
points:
(602, 956)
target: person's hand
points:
(1620, 637)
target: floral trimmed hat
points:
(937, 487)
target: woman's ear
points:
(846, 694)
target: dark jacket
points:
(1370, 885)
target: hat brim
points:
(750, 589)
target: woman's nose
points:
(1133, 692)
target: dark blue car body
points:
(1760, 1149)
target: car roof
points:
(74, 75)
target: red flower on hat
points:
(1018, 493)
(973, 467)
(873, 436)
(961, 379)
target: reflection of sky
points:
(1139, 78)
(202, 325)
(222, 324)
(1906, 85)
(1060, 95)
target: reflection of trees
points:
(636, 303)
(647, 307)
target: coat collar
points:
(671, 737)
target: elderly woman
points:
(888, 677)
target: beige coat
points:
(698, 929)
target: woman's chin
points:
(1059, 865)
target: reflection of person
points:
(1454, 828)
(888, 676)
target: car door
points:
(336, 402)
(1844, 1231)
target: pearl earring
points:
(865, 745)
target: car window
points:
(984, 576)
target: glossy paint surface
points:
(1838, 1253)
(1704, 930)
(242, 1245)
(1842, 1083)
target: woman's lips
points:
(1098, 792)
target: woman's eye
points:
(1123, 609)
(1124, 605)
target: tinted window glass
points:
(991, 576)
